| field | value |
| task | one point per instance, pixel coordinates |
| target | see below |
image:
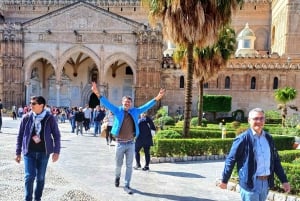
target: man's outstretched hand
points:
(160, 94)
(95, 90)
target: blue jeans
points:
(97, 128)
(35, 168)
(260, 192)
(73, 124)
(126, 149)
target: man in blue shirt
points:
(257, 160)
(125, 128)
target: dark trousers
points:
(108, 134)
(86, 124)
(147, 155)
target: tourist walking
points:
(110, 121)
(71, 117)
(37, 139)
(257, 160)
(87, 117)
(79, 119)
(144, 140)
(14, 112)
(99, 115)
(125, 129)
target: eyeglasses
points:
(33, 103)
(258, 118)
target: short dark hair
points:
(39, 99)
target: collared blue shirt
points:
(262, 154)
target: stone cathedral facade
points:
(56, 48)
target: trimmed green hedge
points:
(190, 147)
(199, 147)
(205, 133)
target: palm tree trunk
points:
(284, 114)
(188, 91)
(200, 107)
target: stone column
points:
(27, 98)
(58, 94)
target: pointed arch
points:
(124, 57)
(79, 48)
(28, 62)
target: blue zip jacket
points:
(118, 112)
(242, 153)
(51, 135)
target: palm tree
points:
(191, 23)
(283, 96)
(209, 60)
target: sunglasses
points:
(33, 103)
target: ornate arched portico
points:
(31, 59)
(35, 67)
(75, 49)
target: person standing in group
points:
(257, 160)
(1, 108)
(71, 118)
(125, 129)
(79, 119)
(87, 117)
(37, 139)
(144, 140)
(63, 115)
(99, 115)
(14, 112)
(20, 111)
(110, 121)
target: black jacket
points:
(145, 137)
(79, 116)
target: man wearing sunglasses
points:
(38, 138)
(257, 160)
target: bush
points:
(168, 121)
(179, 124)
(235, 124)
(296, 161)
(167, 134)
(273, 117)
(194, 121)
(164, 120)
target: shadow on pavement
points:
(171, 197)
(180, 174)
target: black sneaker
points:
(117, 181)
(128, 190)
(137, 167)
(145, 168)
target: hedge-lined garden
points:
(205, 141)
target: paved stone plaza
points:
(85, 172)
